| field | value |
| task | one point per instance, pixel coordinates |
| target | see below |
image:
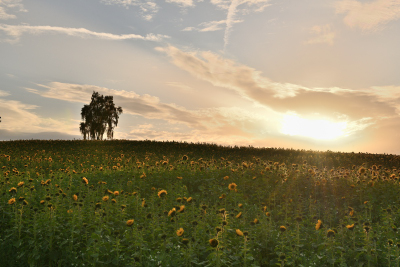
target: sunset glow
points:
(316, 129)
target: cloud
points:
(4, 93)
(19, 117)
(188, 29)
(229, 20)
(369, 16)
(254, 5)
(147, 8)
(232, 7)
(211, 26)
(323, 34)
(228, 121)
(283, 97)
(7, 5)
(145, 105)
(235, 125)
(16, 31)
(183, 3)
(178, 85)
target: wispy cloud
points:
(229, 20)
(179, 86)
(18, 117)
(183, 3)
(232, 7)
(211, 26)
(145, 105)
(283, 97)
(217, 122)
(16, 31)
(147, 8)
(369, 16)
(322, 34)
(189, 29)
(4, 93)
(7, 6)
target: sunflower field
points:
(147, 203)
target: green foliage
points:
(74, 201)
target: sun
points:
(320, 129)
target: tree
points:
(100, 116)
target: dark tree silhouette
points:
(100, 116)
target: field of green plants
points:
(146, 203)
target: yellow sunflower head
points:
(179, 232)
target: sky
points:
(310, 74)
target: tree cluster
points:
(99, 117)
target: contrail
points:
(230, 20)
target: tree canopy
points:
(99, 117)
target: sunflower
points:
(172, 212)
(20, 184)
(13, 190)
(75, 197)
(180, 178)
(350, 227)
(213, 242)
(85, 181)
(226, 177)
(330, 233)
(362, 170)
(162, 193)
(318, 225)
(268, 214)
(108, 191)
(180, 232)
(239, 233)
(11, 201)
(190, 199)
(116, 193)
(129, 222)
(232, 186)
(181, 209)
(106, 198)
(240, 205)
(239, 215)
(282, 228)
